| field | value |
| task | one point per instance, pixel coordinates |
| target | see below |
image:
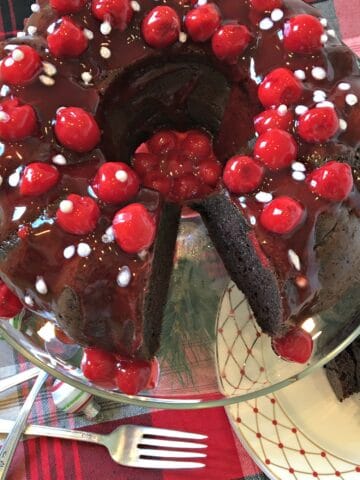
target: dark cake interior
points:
(134, 91)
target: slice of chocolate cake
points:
(343, 371)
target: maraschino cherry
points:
(282, 215)
(17, 121)
(134, 228)
(280, 87)
(38, 178)
(21, 66)
(242, 174)
(318, 124)
(67, 40)
(273, 118)
(230, 41)
(276, 149)
(76, 129)
(303, 34)
(116, 182)
(161, 27)
(99, 366)
(10, 305)
(295, 346)
(332, 181)
(134, 376)
(65, 7)
(202, 22)
(162, 142)
(118, 12)
(78, 215)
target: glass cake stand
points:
(212, 352)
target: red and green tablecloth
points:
(45, 459)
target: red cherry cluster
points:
(116, 182)
(332, 181)
(161, 28)
(38, 178)
(10, 305)
(76, 129)
(113, 371)
(181, 166)
(78, 215)
(303, 34)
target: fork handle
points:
(21, 377)
(54, 432)
(10, 444)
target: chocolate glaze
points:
(133, 93)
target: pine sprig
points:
(190, 315)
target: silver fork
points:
(131, 445)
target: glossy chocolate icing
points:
(133, 93)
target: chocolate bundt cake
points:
(114, 114)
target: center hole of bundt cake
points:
(180, 165)
(161, 116)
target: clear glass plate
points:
(212, 351)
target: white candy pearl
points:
(121, 176)
(59, 159)
(351, 99)
(318, 73)
(66, 206)
(124, 277)
(69, 252)
(41, 286)
(263, 197)
(83, 250)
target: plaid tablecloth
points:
(45, 459)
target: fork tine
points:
(149, 452)
(156, 442)
(162, 432)
(166, 464)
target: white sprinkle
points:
(21, 34)
(252, 220)
(294, 259)
(298, 167)
(69, 252)
(48, 81)
(277, 15)
(282, 110)
(32, 30)
(29, 301)
(320, 94)
(105, 28)
(351, 99)
(49, 69)
(35, 8)
(108, 237)
(51, 28)
(59, 159)
(4, 117)
(135, 6)
(143, 254)
(5, 90)
(344, 86)
(343, 124)
(298, 176)
(266, 24)
(66, 206)
(41, 286)
(301, 109)
(332, 33)
(18, 55)
(182, 37)
(83, 250)
(300, 74)
(325, 104)
(202, 2)
(324, 38)
(105, 52)
(124, 277)
(88, 34)
(86, 77)
(324, 22)
(14, 179)
(318, 73)
(122, 176)
(263, 197)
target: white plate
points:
(301, 432)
